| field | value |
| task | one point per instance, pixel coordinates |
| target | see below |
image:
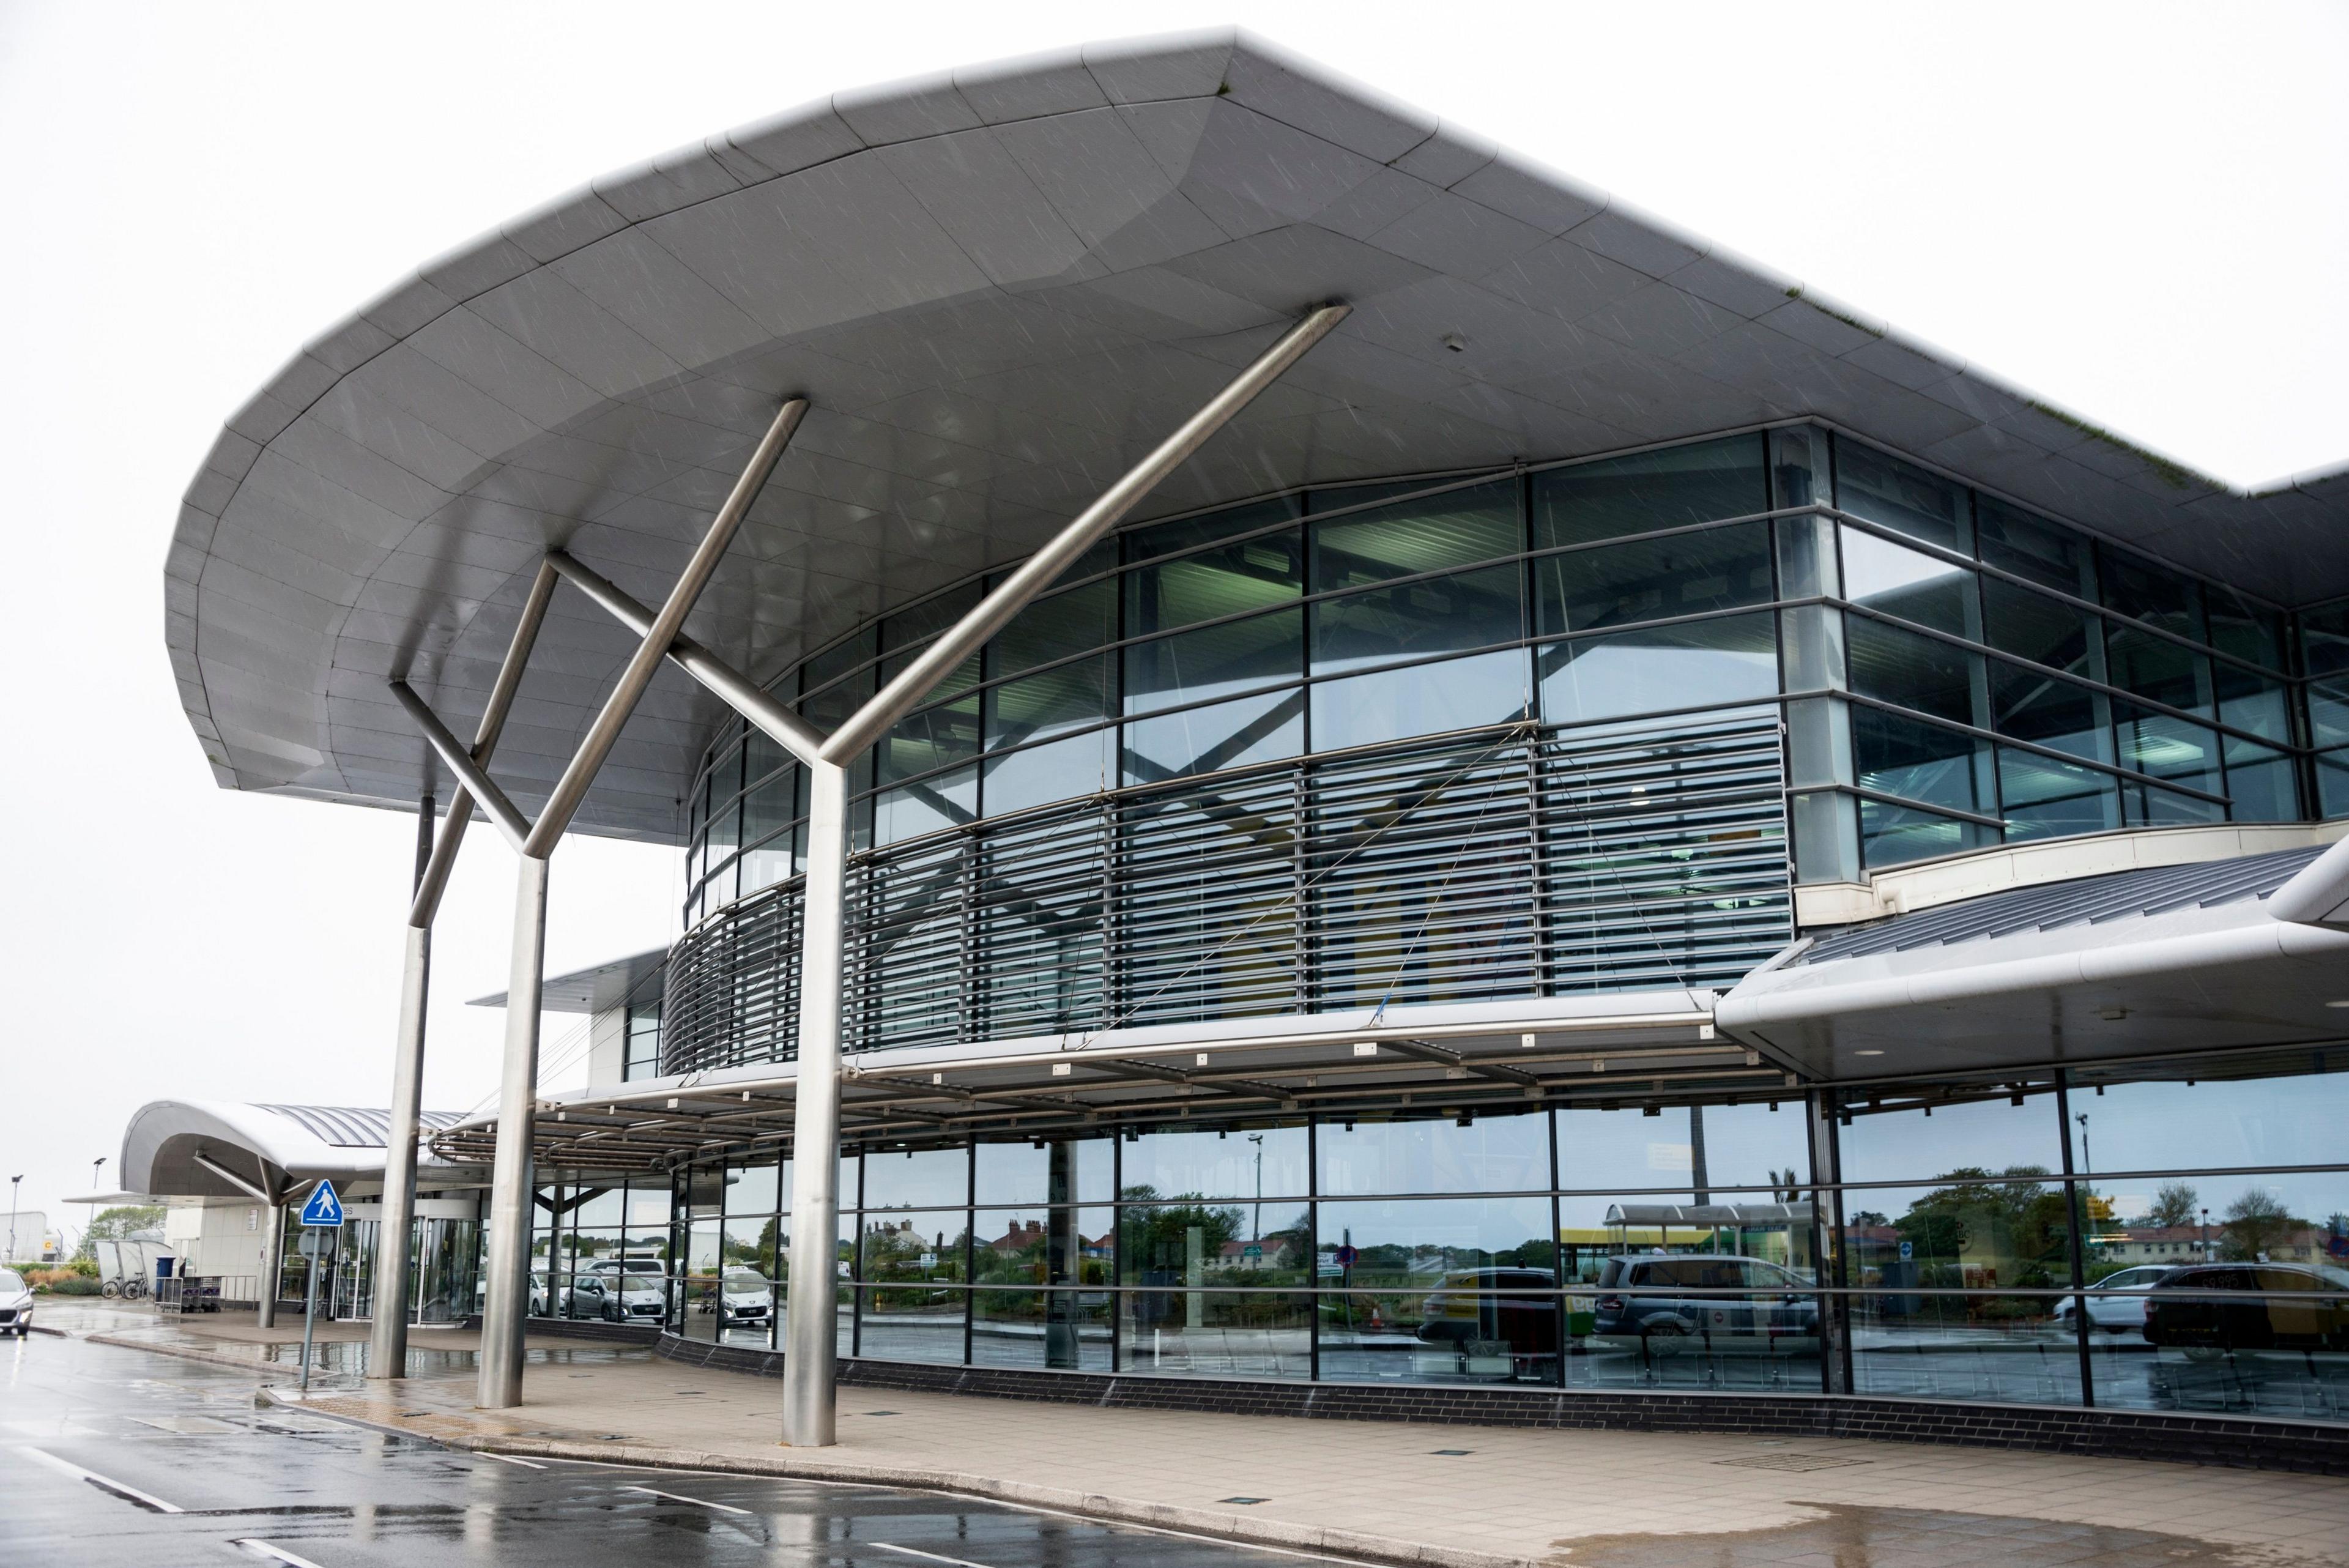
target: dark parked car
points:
(1459, 1310)
(1639, 1304)
(2216, 1307)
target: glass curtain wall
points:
(1978, 673)
(2171, 1235)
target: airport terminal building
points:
(1621, 829)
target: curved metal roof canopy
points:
(999, 288)
(214, 1148)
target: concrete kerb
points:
(1304, 1538)
(267, 1369)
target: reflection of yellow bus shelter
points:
(1645, 1237)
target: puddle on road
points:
(1852, 1536)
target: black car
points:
(1461, 1310)
(1659, 1304)
(2216, 1307)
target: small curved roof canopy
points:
(2161, 959)
(214, 1148)
(999, 288)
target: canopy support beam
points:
(809, 1360)
(508, 1303)
(436, 857)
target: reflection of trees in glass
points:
(2256, 1221)
(2173, 1206)
(2011, 1228)
(1160, 1237)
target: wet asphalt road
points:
(117, 1456)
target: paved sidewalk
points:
(1447, 1496)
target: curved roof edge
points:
(268, 1145)
(358, 484)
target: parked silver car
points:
(15, 1303)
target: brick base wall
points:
(2241, 1442)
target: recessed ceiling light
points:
(1867, 1053)
(2342, 1002)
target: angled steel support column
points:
(809, 1372)
(435, 856)
(510, 1181)
(736, 691)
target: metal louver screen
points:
(1514, 863)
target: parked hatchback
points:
(1740, 1305)
(15, 1303)
(2219, 1307)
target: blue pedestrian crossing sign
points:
(324, 1208)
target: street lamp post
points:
(94, 1166)
(1256, 1230)
(13, 1183)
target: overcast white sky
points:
(2140, 210)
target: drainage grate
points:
(1243, 1500)
(1794, 1462)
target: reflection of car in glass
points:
(620, 1298)
(742, 1297)
(1636, 1305)
(2280, 1306)
(1459, 1310)
(2115, 1313)
(645, 1264)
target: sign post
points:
(324, 1213)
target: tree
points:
(113, 1224)
(2174, 1205)
(2255, 1222)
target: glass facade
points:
(2163, 1236)
(1168, 790)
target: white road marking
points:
(104, 1484)
(697, 1501)
(508, 1458)
(275, 1553)
(910, 1552)
(1183, 1534)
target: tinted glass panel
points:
(1214, 662)
(917, 1179)
(1246, 575)
(2051, 713)
(1683, 1149)
(2043, 630)
(2157, 668)
(1419, 700)
(1493, 1154)
(2261, 784)
(1655, 579)
(1918, 762)
(1221, 1164)
(2152, 593)
(1887, 491)
(2245, 629)
(1057, 628)
(2249, 701)
(1894, 834)
(2045, 798)
(2165, 748)
(1959, 1126)
(1417, 619)
(1057, 770)
(1895, 666)
(1453, 529)
(1066, 697)
(1730, 659)
(2033, 548)
(1908, 583)
(1206, 739)
(1647, 491)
